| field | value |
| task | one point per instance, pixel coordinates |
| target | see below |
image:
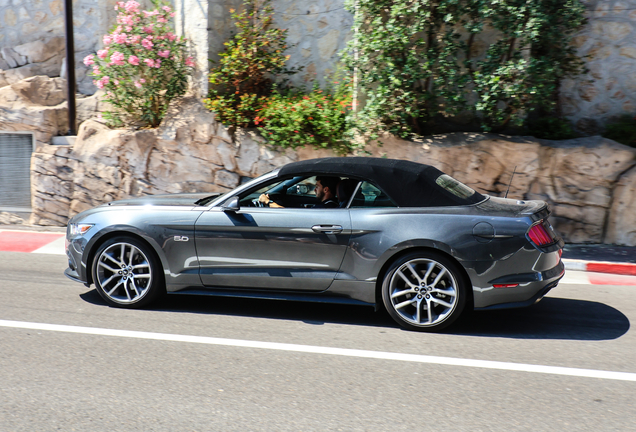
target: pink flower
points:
(172, 14)
(89, 60)
(107, 40)
(166, 8)
(128, 29)
(102, 82)
(147, 43)
(132, 6)
(143, 81)
(137, 84)
(164, 54)
(117, 58)
(189, 62)
(162, 20)
(102, 54)
(120, 38)
(149, 62)
(116, 82)
(157, 63)
(95, 70)
(171, 37)
(126, 19)
(134, 39)
(133, 60)
(148, 29)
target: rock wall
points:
(38, 105)
(26, 25)
(589, 182)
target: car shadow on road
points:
(552, 318)
(308, 312)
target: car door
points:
(272, 248)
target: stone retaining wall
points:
(589, 181)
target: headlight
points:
(80, 229)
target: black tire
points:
(424, 291)
(127, 273)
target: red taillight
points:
(540, 235)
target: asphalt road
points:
(104, 379)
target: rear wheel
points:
(127, 273)
(424, 291)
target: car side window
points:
(295, 192)
(250, 199)
(305, 188)
(369, 195)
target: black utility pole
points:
(70, 67)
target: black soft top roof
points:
(409, 184)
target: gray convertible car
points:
(401, 234)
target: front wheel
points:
(127, 273)
(424, 291)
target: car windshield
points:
(207, 200)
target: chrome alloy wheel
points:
(423, 292)
(124, 273)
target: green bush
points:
(318, 118)
(419, 60)
(622, 130)
(551, 128)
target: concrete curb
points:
(628, 269)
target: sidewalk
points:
(611, 259)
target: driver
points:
(325, 192)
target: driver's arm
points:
(264, 198)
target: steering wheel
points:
(257, 203)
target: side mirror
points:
(232, 205)
(302, 189)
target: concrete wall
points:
(608, 42)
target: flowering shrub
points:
(318, 118)
(143, 65)
(246, 68)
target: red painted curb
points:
(614, 268)
(14, 241)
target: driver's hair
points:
(329, 182)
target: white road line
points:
(56, 247)
(415, 358)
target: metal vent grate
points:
(15, 172)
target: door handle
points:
(327, 229)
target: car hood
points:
(164, 200)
